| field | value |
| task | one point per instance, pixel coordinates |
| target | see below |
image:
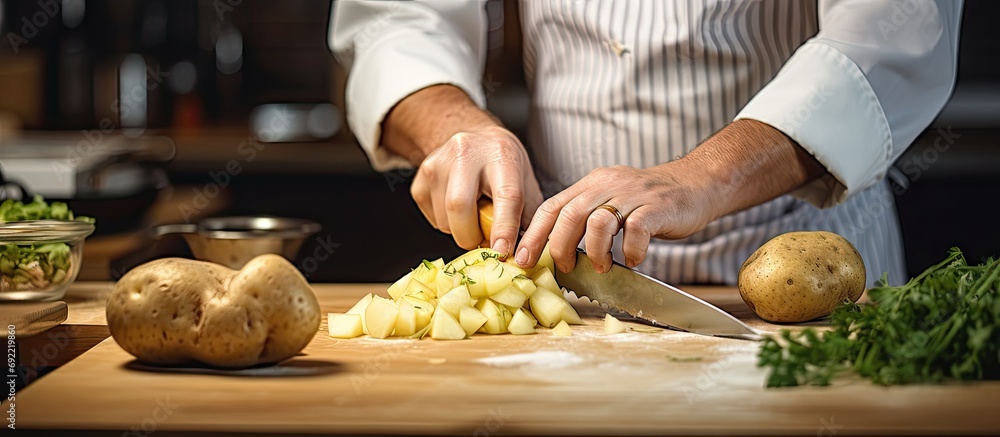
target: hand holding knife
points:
(638, 294)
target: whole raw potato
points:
(800, 276)
(174, 311)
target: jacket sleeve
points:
(858, 93)
(395, 48)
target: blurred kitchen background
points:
(142, 113)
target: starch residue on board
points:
(550, 359)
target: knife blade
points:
(639, 295)
(649, 299)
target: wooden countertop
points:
(633, 383)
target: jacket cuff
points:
(822, 100)
(386, 73)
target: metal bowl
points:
(232, 241)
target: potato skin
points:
(177, 311)
(801, 276)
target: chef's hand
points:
(663, 201)
(486, 161)
(744, 164)
(463, 153)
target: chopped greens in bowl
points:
(40, 248)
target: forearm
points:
(426, 119)
(748, 163)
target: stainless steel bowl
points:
(232, 241)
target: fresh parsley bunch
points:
(942, 325)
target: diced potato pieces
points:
(510, 297)
(426, 273)
(544, 279)
(545, 260)
(398, 288)
(444, 326)
(472, 257)
(471, 320)
(499, 275)
(380, 317)
(406, 321)
(497, 317)
(525, 285)
(613, 325)
(419, 290)
(344, 325)
(550, 308)
(454, 300)
(474, 276)
(475, 292)
(569, 313)
(446, 280)
(359, 309)
(422, 311)
(562, 330)
(522, 323)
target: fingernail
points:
(629, 262)
(502, 247)
(522, 257)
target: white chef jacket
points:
(641, 82)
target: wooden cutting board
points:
(591, 383)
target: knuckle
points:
(420, 194)
(462, 146)
(558, 252)
(509, 193)
(598, 222)
(426, 174)
(508, 153)
(453, 204)
(638, 220)
(571, 215)
(548, 208)
(467, 242)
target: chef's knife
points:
(639, 295)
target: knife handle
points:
(485, 205)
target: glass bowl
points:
(39, 259)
